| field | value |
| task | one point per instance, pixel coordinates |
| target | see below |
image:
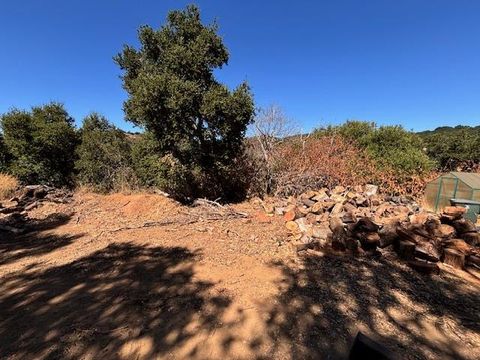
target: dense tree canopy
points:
(174, 95)
(453, 146)
(41, 144)
(4, 155)
(103, 155)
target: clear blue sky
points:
(409, 62)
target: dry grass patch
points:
(8, 185)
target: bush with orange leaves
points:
(301, 163)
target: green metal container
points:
(473, 208)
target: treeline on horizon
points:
(194, 140)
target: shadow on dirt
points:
(322, 306)
(16, 248)
(122, 301)
(32, 243)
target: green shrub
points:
(453, 146)
(391, 147)
(157, 171)
(353, 130)
(104, 160)
(41, 144)
(183, 182)
(394, 147)
(5, 156)
(198, 123)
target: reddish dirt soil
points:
(132, 277)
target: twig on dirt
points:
(219, 209)
(154, 224)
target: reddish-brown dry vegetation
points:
(300, 164)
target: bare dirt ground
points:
(130, 277)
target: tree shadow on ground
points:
(122, 301)
(14, 247)
(327, 300)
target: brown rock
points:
(317, 208)
(371, 190)
(308, 195)
(424, 267)
(472, 238)
(349, 207)
(290, 215)
(351, 195)
(420, 218)
(303, 225)
(311, 218)
(315, 253)
(336, 224)
(458, 245)
(328, 204)
(291, 226)
(405, 249)
(423, 255)
(348, 218)
(432, 224)
(321, 232)
(381, 209)
(269, 208)
(388, 235)
(445, 231)
(365, 225)
(292, 200)
(300, 246)
(409, 235)
(401, 211)
(430, 247)
(323, 217)
(472, 260)
(352, 244)
(302, 211)
(464, 226)
(361, 201)
(454, 258)
(368, 240)
(339, 199)
(338, 234)
(337, 209)
(308, 202)
(321, 195)
(338, 189)
(455, 212)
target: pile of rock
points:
(360, 221)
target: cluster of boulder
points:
(360, 221)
